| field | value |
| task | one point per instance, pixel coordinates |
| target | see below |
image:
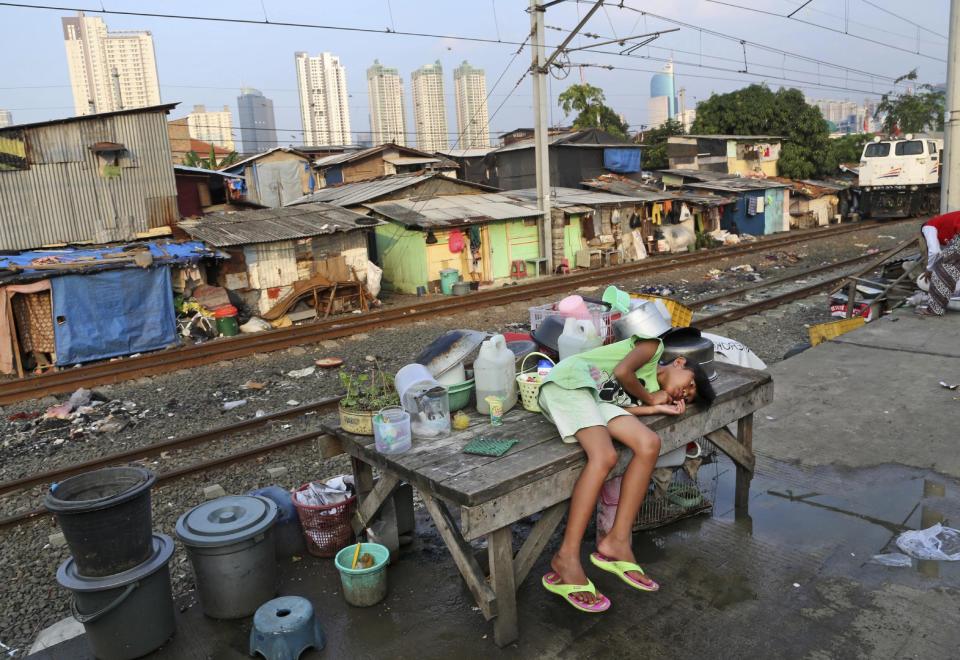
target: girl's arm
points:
(677, 408)
(626, 373)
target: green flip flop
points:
(620, 569)
(551, 582)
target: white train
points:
(900, 177)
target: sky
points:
(206, 62)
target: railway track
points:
(778, 291)
(244, 345)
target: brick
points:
(213, 491)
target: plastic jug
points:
(494, 371)
(578, 336)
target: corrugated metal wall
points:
(63, 198)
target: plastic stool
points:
(564, 267)
(518, 269)
(285, 627)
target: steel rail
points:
(245, 345)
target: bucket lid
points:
(69, 577)
(226, 520)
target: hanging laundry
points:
(474, 237)
(760, 201)
(656, 213)
(752, 206)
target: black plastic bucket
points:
(105, 518)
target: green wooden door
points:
(572, 240)
(500, 251)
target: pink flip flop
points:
(551, 582)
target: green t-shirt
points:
(593, 369)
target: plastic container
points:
(573, 307)
(602, 318)
(363, 587)
(432, 416)
(226, 317)
(528, 382)
(458, 395)
(494, 371)
(454, 376)
(391, 430)
(618, 299)
(448, 277)
(326, 527)
(460, 288)
(287, 532)
(231, 547)
(105, 518)
(128, 614)
(578, 336)
(411, 381)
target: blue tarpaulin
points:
(620, 160)
(114, 312)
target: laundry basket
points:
(528, 384)
(326, 527)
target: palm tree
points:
(192, 159)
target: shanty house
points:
(201, 191)
(272, 249)
(398, 186)
(276, 176)
(813, 203)
(574, 157)
(471, 163)
(421, 237)
(728, 154)
(378, 161)
(91, 179)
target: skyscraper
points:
(429, 107)
(215, 127)
(324, 108)
(6, 118)
(258, 128)
(663, 97)
(388, 119)
(109, 70)
(473, 121)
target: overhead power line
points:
(905, 20)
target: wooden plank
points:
(729, 445)
(462, 555)
(373, 501)
(536, 541)
(506, 628)
(362, 478)
(745, 438)
(895, 250)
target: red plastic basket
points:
(326, 528)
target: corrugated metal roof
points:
(452, 210)
(280, 224)
(351, 194)
(737, 185)
(590, 138)
(246, 160)
(574, 196)
(411, 160)
(416, 154)
(165, 107)
(745, 138)
(473, 152)
(623, 186)
(697, 175)
(200, 170)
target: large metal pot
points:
(688, 343)
(645, 320)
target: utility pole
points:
(950, 174)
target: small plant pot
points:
(357, 421)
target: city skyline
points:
(388, 121)
(324, 111)
(213, 126)
(429, 107)
(258, 127)
(470, 92)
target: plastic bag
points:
(374, 274)
(894, 559)
(937, 543)
(456, 241)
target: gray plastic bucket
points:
(129, 614)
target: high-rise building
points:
(663, 97)
(215, 127)
(324, 102)
(429, 107)
(258, 128)
(109, 70)
(6, 118)
(388, 120)
(473, 119)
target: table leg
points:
(744, 475)
(505, 626)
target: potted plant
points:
(366, 393)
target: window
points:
(909, 148)
(877, 150)
(932, 146)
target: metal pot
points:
(645, 320)
(688, 343)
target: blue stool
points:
(285, 627)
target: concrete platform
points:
(837, 480)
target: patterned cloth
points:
(944, 277)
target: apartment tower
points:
(215, 127)
(6, 118)
(109, 70)
(258, 128)
(663, 97)
(388, 119)
(429, 107)
(473, 120)
(324, 102)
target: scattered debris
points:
(937, 543)
(949, 387)
(293, 402)
(894, 559)
(302, 373)
(252, 385)
(230, 405)
(328, 362)
(742, 268)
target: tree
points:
(192, 159)
(655, 155)
(592, 112)
(846, 149)
(756, 110)
(912, 113)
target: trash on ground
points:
(894, 559)
(328, 362)
(949, 387)
(293, 402)
(301, 373)
(230, 405)
(937, 543)
(253, 385)
(333, 491)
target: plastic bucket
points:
(448, 277)
(411, 381)
(105, 518)
(129, 614)
(227, 326)
(391, 430)
(363, 587)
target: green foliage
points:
(912, 113)
(368, 390)
(756, 110)
(655, 155)
(846, 149)
(592, 112)
(192, 159)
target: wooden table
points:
(535, 476)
